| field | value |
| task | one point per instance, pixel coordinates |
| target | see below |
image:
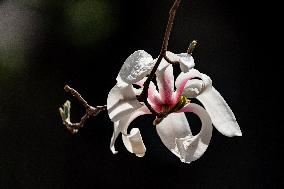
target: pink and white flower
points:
(171, 99)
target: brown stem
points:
(90, 111)
(144, 95)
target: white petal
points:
(121, 83)
(186, 62)
(193, 88)
(122, 125)
(175, 133)
(165, 82)
(191, 148)
(116, 131)
(134, 143)
(121, 101)
(187, 86)
(184, 77)
(221, 114)
(173, 126)
(163, 65)
(172, 56)
(207, 81)
(135, 67)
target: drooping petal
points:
(186, 62)
(134, 143)
(191, 148)
(121, 101)
(122, 125)
(175, 125)
(135, 68)
(221, 114)
(165, 82)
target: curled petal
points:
(122, 125)
(134, 143)
(193, 88)
(175, 125)
(186, 62)
(188, 85)
(183, 78)
(175, 133)
(191, 148)
(135, 67)
(221, 114)
(121, 101)
(207, 81)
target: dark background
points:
(47, 44)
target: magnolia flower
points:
(171, 98)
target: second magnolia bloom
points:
(170, 97)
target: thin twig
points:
(90, 111)
(74, 127)
(144, 95)
(77, 95)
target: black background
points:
(36, 151)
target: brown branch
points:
(90, 111)
(144, 95)
(76, 95)
(172, 14)
(74, 127)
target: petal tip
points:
(233, 130)
(239, 133)
(113, 150)
(184, 161)
(140, 155)
(134, 142)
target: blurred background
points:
(47, 44)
